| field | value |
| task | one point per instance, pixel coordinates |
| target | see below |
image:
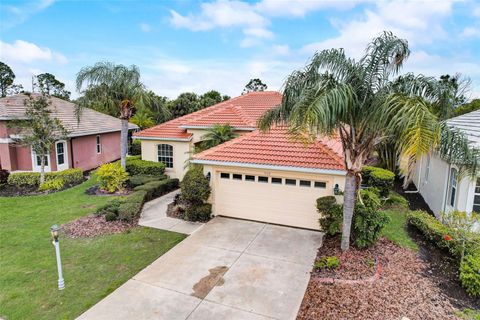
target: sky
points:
(197, 46)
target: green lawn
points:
(92, 267)
(396, 230)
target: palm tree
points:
(114, 86)
(216, 135)
(358, 102)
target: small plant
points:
(461, 225)
(54, 184)
(112, 177)
(111, 216)
(110, 207)
(470, 274)
(195, 186)
(379, 178)
(331, 262)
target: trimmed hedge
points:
(156, 189)
(129, 210)
(199, 212)
(136, 166)
(141, 179)
(69, 176)
(53, 184)
(379, 178)
(470, 274)
(195, 186)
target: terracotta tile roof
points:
(91, 121)
(240, 112)
(277, 148)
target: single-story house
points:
(441, 183)
(258, 176)
(92, 141)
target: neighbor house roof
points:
(91, 121)
(469, 124)
(241, 112)
(276, 148)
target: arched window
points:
(452, 194)
(165, 155)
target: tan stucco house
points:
(258, 176)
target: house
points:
(441, 183)
(92, 141)
(258, 176)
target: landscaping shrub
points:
(112, 177)
(470, 274)
(111, 216)
(52, 184)
(136, 148)
(368, 222)
(129, 210)
(139, 179)
(4, 176)
(199, 212)
(195, 186)
(331, 215)
(32, 179)
(379, 178)
(327, 262)
(396, 200)
(138, 196)
(69, 176)
(110, 207)
(135, 166)
(156, 189)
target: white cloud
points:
(17, 14)
(281, 50)
(470, 32)
(26, 52)
(258, 32)
(145, 27)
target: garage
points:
(275, 197)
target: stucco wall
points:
(85, 152)
(181, 154)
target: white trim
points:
(211, 126)
(96, 133)
(13, 118)
(37, 168)
(65, 165)
(270, 167)
(162, 139)
(6, 140)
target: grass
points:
(92, 267)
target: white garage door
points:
(271, 198)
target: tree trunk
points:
(42, 169)
(349, 197)
(124, 143)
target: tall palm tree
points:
(216, 135)
(114, 86)
(358, 101)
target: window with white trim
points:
(99, 144)
(452, 192)
(60, 153)
(476, 197)
(39, 160)
(165, 154)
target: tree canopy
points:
(254, 85)
(7, 87)
(47, 84)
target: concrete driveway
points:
(229, 269)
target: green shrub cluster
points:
(3, 176)
(112, 177)
(139, 179)
(331, 215)
(442, 236)
(195, 186)
(52, 185)
(327, 263)
(155, 189)
(379, 178)
(135, 165)
(368, 221)
(32, 179)
(198, 212)
(136, 148)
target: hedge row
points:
(139, 179)
(441, 235)
(378, 178)
(69, 176)
(135, 166)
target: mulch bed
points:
(96, 191)
(93, 226)
(408, 286)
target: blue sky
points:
(197, 46)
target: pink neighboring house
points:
(92, 141)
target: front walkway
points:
(228, 269)
(154, 215)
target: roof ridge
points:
(331, 151)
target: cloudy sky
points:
(197, 46)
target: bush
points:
(368, 222)
(136, 166)
(137, 197)
(195, 186)
(470, 274)
(396, 200)
(112, 177)
(198, 212)
(156, 189)
(110, 207)
(111, 216)
(129, 210)
(331, 215)
(140, 179)
(69, 176)
(32, 179)
(379, 178)
(136, 148)
(327, 262)
(52, 184)
(4, 176)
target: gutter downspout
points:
(447, 187)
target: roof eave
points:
(162, 138)
(269, 167)
(210, 126)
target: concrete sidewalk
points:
(228, 269)
(154, 215)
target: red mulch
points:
(92, 226)
(403, 290)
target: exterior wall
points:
(181, 154)
(282, 204)
(434, 190)
(85, 154)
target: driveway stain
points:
(206, 284)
